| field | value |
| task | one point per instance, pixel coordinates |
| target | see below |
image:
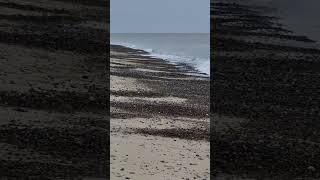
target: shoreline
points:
(184, 55)
(157, 106)
(191, 70)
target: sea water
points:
(191, 49)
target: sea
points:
(192, 49)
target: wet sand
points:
(159, 119)
(54, 89)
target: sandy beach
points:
(159, 118)
(54, 89)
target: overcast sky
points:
(160, 16)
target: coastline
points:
(157, 45)
(160, 113)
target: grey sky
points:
(160, 16)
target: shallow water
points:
(191, 49)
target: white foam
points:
(125, 44)
(200, 64)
